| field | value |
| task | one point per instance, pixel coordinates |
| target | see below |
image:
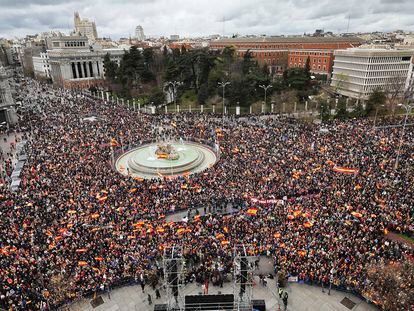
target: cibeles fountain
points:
(167, 158)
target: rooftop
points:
(292, 39)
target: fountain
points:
(162, 158)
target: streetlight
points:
(223, 85)
(265, 88)
(408, 109)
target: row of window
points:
(331, 45)
(294, 65)
(74, 43)
(310, 53)
(313, 60)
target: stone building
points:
(74, 64)
(7, 105)
(84, 27)
(139, 33)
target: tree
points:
(341, 112)
(296, 78)
(375, 100)
(324, 110)
(157, 97)
(391, 284)
(110, 68)
(340, 80)
(307, 67)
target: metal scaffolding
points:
(243, 263)
(173, 264)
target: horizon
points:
(162, 18)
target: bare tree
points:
(391, 285)
(395, 89)
(340, 79)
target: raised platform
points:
(143, 162)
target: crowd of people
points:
(319, 202)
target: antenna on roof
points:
(224, 21)
(349, 19)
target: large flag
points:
(345, 170)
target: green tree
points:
(341, 112)
(375, 100)
(156, 96)
(110, 68)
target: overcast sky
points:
(118, 18)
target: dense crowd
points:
(76, 224)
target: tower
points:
(139, 33)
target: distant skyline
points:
(118, 18)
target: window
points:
(55, 44)
(405, 58)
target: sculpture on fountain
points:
(166, 151)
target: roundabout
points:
(173, 158)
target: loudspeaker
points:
(259, 305)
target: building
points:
(409, 83)
(174, 37)
(139, 33)
(284, 52)
(7, 106)
(320, 61)
(84, 27)
(41, 66)
(357, 72)
(74, 64)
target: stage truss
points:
(173, 264)
(243, 264)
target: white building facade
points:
(73, 64)
(84, 27)
(357, 72)
(7, 105)
(41, 66)
(139, 33)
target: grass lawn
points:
(406, 237)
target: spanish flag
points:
(99, 258)
(308, 224)
(277, 235)
(345, 170)
(356, 214)
(252, 211)
(114, 143)
(82, 263)
(225, 242)
(81, 250)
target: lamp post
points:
(223, 85)
(265, 88)
(408, 109)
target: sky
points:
(118, 18)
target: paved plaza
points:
(301, 298)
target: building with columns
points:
(74, 64)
